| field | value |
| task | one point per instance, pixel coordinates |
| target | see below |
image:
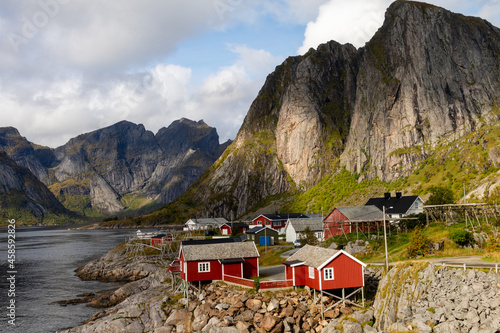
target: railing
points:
(175, 266)
(238, 280)
(491, 266)
(275, 284)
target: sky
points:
(73, 66)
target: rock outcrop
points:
(23, 195)
(432, 299)
(107, 169)
(116, 265)
(154, 307)
(427, 76)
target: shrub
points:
(440, 196)
(419, 244)
(462, 238)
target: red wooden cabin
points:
(203, 262)
(344, 220)
(239, 227)
(324, 269)
(276, 221)
(159, 239)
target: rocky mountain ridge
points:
(427, 77)
(120, 165)
(23, 197)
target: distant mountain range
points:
(120, 168)
(417, 106)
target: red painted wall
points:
(227, 228)
(233, 269)
(214, 274)
(334, 228)
(300, 275)
(250, 267)
(264, 221)
(347, 274)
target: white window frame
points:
(311, 272)
(277, 224)
(328, 272)
(203, 267)
(259, 222)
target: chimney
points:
(398, 195)
(387, 195)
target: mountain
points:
(23, 197)
(427, 78)
(119, 167)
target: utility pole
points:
(385, 241)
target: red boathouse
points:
(204, 262)
(324, 269)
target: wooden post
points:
(363, 296)
(464, 267)
(322, 312)
(343, 297)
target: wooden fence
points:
(275, 284)
(238, 280)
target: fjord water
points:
(46, 258)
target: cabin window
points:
(311, 272)
(416, 204)
(259, 222)
(329, 273)
(203, 267)
(277, 224)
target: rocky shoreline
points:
(409, 298)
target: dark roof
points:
(293, 262)
(159, 236)
(255, 230)
(282, 217)
(210, 241)
(232, 261)
(399, 205)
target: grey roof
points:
(361, 212)
(211, 221)
(219, 251)
(312, 256)
(299, 225)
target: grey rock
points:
(351, 327)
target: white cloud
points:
(53, 113)
(352, 22)
(356, 21)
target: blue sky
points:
(73, 66)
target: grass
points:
(435, 232)
(271, 255)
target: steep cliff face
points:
(23, 196)
(99, 169)
(427, 76)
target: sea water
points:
(43, 272)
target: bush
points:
(440, 196)
(419, 244)
(462, 238)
